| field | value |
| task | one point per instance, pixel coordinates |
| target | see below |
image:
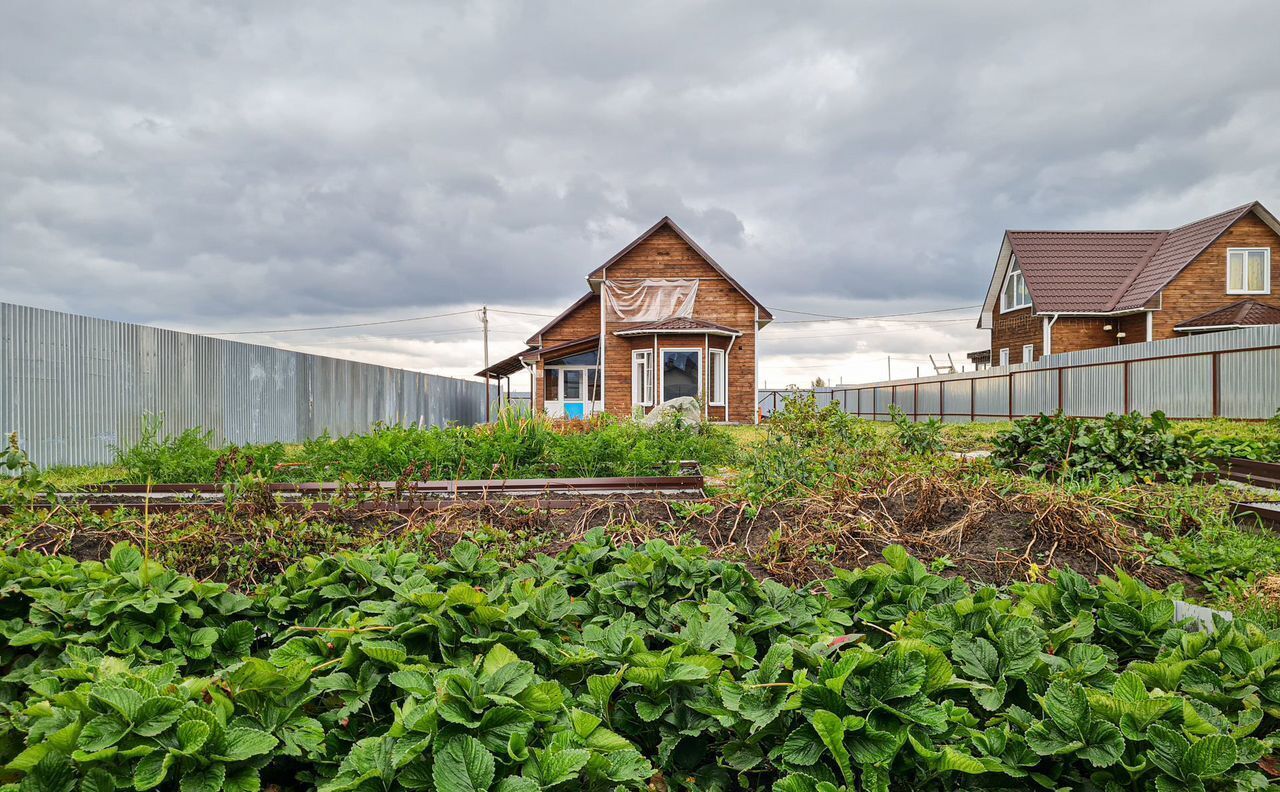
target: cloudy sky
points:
(240, 166)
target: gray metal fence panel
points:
(929, 399)
(1093, 390)
(958, 398)
(1034, 392)
(1250, 383)
(991, 397)
(1180, 387)
(74, 387)
(1234, 374)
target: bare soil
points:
(959, 528)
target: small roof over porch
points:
(679, 324)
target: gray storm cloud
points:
(230, 165)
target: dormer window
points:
(1249, 271)
(1015, 289)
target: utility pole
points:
(484, 322)
(888, 361)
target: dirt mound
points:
(954, 525)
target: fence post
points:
(1061, 409)
(973, 400)
(1010, 376)
(1126, 387)
(1216, 379)
(915, 401)
(942, 401)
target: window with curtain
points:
(680, 373)
(1249, 271)
(718, 377)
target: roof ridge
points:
(1236, 210)
(1119, 293)
(1085, 231)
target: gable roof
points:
(1245, 313)
(1079, 270)
(667, 222)
(1108, 271)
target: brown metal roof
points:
(676, 324)
(505, 367)
(1106, 271)
(1079, 270)
(1179, 248)
(598, 272)
(1245, 313)
(566, 347)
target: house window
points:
(1016, 294)
(1028, 353)
(553, 385)
(681, 373)
(1004, 356)
(642, 377)
(1249, 271)
(719, 378)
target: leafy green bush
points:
(1119, 447)
(1207, 447)
(191, 457)
(916, 437)
(515, 445)
(806, 448)
(610, 668)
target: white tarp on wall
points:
(648, 299)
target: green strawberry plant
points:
(603, 668)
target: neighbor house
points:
(1062, 291)
(660, 320)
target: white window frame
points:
(1004, 356)
(642, 385)
(719, 378)
(1014, 269)
(1244, 271)
(1028, 353)
(662, 369)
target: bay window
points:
(681, 373)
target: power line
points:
(872, 332)
(522, 313)
(833, 318)
(343, 326)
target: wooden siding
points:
(665, 255)
(580, 323)
(1014, 329)
(1202, 286)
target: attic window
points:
(1015, 294)
(1249, 271)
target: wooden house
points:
(660, 320)
(1063, 291)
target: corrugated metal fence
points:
(1233, 374)
(74, 386)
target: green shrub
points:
(615, 668)
(191, 457)
(806, 448)
(514, 445)
(1123, 448)
(916, 437)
